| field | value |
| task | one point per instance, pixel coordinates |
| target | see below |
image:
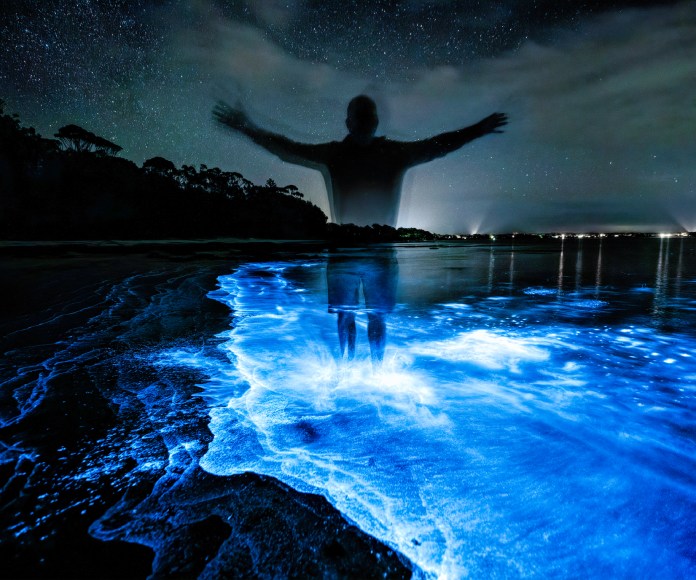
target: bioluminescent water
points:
(533, 414)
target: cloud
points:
(605, 115)
(277, 13)
(244, 63)
(602, 118)
(624, 77)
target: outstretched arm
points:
(288, 150)
(444, 143)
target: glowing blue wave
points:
(482, 445)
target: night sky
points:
(601, 95)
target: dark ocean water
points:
(533, 413)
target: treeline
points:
(75, 187)
(378, 234)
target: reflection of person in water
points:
(363, 176)
(378, 273)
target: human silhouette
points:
(363, 176)
(363, 173)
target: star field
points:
(385, 38)
(599, 95)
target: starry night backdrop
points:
(601, 95)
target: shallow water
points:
(533, 414)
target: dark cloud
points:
(403, 34)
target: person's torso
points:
(366, 181)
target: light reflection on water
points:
(533, 415)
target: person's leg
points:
(343, 287)
(376, 335)
(346, 333)
(380, 278)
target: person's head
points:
(362, 117)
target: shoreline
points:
(104, 450)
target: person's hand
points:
(233, 117)
(492, 123)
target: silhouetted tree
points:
(75, 138)
(104, 146)
(292, 190)
(49, 192)
(161, 165)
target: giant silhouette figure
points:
(363, 176)
(363, 173)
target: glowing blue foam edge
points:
(477, 448)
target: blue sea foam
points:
(475, 448)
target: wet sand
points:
(100, 448)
